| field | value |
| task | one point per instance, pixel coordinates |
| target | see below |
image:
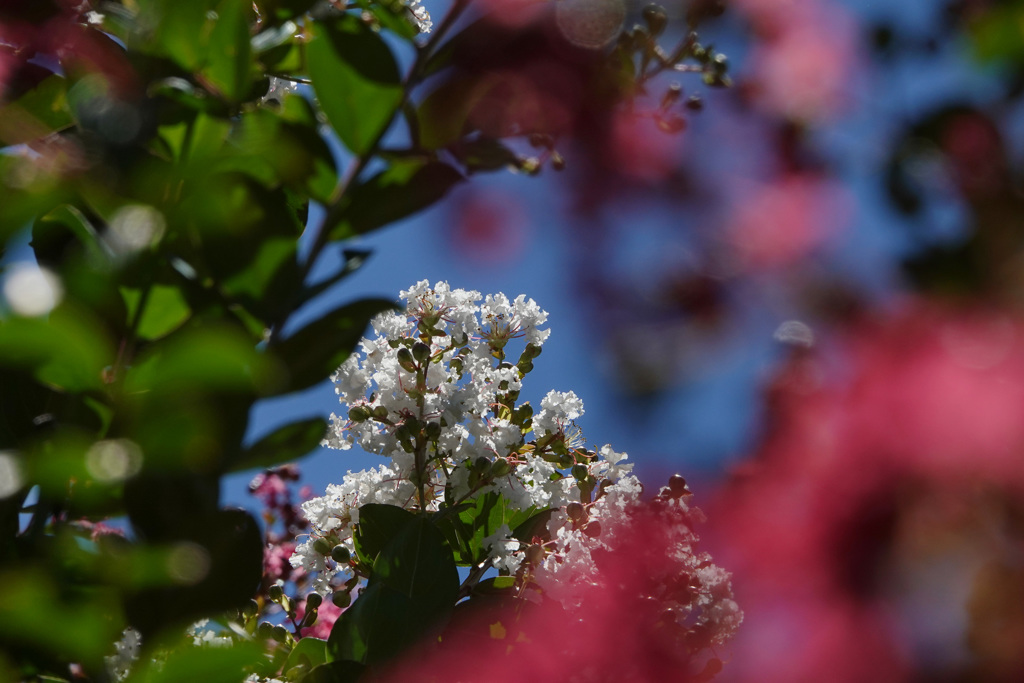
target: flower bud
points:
(406, 360)
(313, 600)
(674, 92)
(421, 352)
(482, 464)
(341, 599)
(500, 468)
(279, 633)
(593, 530)
(251, 609)
(534, 554)
(575, 511)
(380, 413)
(655, 18)
(309, 619)
(276, 592)
(580, 471)
(340, 554)
(677, 486)
(322, 546)
(265, 630)
(432, 430)
(694, 103)
(358, 414)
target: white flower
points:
(420, 16)
(433, 394)
(126, 652)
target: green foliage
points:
(356, 80)
(167, 187)
(412, 587)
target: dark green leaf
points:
(485, 154)
(354, 260)
(378, 525)
(405, 188)
(69, 350)
(418, 563)
(379, 626)
(315, 351)
(288, 443)
(443, 115)
(356, 80)
(536, 526)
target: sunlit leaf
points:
(229, 53)
(356, 80)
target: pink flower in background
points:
(805, 61)
(857, 531)
(777, 224)
(641, 150)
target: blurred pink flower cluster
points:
(885, 492)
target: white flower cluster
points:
(126, 652)
(435, 393)
(420, 15)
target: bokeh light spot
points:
(32, 291)
(113, 460)
(590, 24)
(10, 474)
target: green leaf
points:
(308, 652)
(486, 515)
(209, 358)
(165, 310)
(418, 563)
(228, 59)
(288, 443)
(378, 525)
(535, 526)
(69, 350)
(393, 15)
(354, 260)
(33, 604)
(376, 628)
(485, 154)
(37, 113)
(998, 33)
(444, 113)
(206, 664)
(405, 188)
(356, 80)
(315, 351)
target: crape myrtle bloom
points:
(435, 394)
